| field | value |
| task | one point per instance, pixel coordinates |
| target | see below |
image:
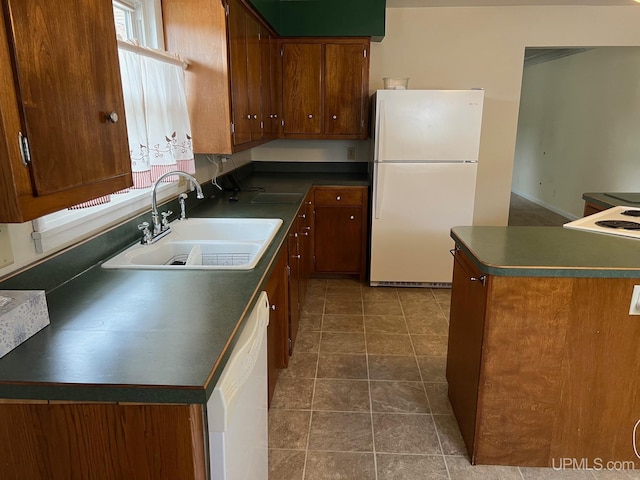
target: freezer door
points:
(428, 125)
(414, 207)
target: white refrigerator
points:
(425, 160)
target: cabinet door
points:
(302, 88)
(254, 75)
(294, 284)
(237, 24)
(67, 81)
(338, 241)
(345, 96)
(306, 243)
(267, 83)
(277, 331)
(466, 327)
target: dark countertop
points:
(613, 199)
(149, 335)
(549, 252)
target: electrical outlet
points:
(634, 309)
(351, 153)
(6, 253)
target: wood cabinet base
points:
(101, 441)
(557, 370)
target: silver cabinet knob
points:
(303, 215)
(309, 116)
(275, 115)
(111, 117)
(273, 307)
(338, 198)
(255, 117)
(351, 217)
(334, 116)
(248, 117)
(298, 257)
(271, 116)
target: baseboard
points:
(554, 209)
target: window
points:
(129, 20)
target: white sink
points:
(203, 244)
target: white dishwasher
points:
(237, 409)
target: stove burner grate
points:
(624, 224)
(631, 213)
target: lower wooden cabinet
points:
(591, 208)
(56, 441)
(466, 327)
(295, 260)
(278, 330)
(340, 225)
(542, 369)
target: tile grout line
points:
(366, 353)
(315, 379)
(424, 389)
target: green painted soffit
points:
(325, 18)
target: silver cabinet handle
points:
(334, 117)
(338, 198)
(309, 116)
(255, 117)
(482, 279)
(111, 117)
(296, 256)
(248, 117)
(275, 115)
(273, 307)
(351, 217)
(303, 215)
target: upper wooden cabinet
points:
(60, 90)
(325, 87)
(230, 50)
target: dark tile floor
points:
(365, 394)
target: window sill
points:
(64, 228)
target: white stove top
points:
(616, 214)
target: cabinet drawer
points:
(339, 196)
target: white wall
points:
(310, 151)
(578, 129)
(464, 47)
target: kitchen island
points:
(116, 385)
(596, 202)
(543, 360)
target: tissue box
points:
(23, 313)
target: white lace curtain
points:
(157, 120)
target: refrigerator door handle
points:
(378, 185)
(380, 117)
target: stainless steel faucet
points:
(160, 229)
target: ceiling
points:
(503, 3)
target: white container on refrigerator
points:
(425, 160)
(237, 408)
